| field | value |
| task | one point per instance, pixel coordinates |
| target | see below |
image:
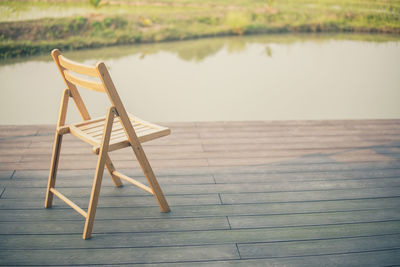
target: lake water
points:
(283, 77)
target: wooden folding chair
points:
(105, 135)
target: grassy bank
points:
(76, 24)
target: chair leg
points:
(151, 178)
(56, 149)
(101, 162)
(53, 170)
(94, 197)
(110, 167)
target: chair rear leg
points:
(110, 167)
(151, 178)
(53, 170)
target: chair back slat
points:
(77, 67)
(81, 82)
(56, 54)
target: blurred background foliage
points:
(32, 27)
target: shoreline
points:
(22, 49)
(154, 23)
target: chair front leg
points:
(56, 149)
(53, 170)
(94, 197)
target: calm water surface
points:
(250, 78)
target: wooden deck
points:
(294, 193)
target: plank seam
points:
(219, 244)
(229, 223)
(236, 215)
(231, 193)
(270, 171)
(325, 254)
(12, 175)
(257, 180)
(238, 251)
(236, 204)
(320, 239)
(268, 181)
(212, 175)
(207, 261)
(2, 192)
(220, 199)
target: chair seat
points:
(91, 132)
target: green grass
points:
(31, 27)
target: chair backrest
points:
(69, 66)
(104, 84)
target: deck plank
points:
(317, 195)
(319, 247)
(119, 255)
(201, 237)
(16, 192)
(309, 219)
(113, 202)
(205, 210)
(116, 226)
(371, 258)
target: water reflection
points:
(243, 78)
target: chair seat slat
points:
(89, 124)
(83, 136)
(145, 132)
(123, 142)
(120, 134)
(95, 129)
